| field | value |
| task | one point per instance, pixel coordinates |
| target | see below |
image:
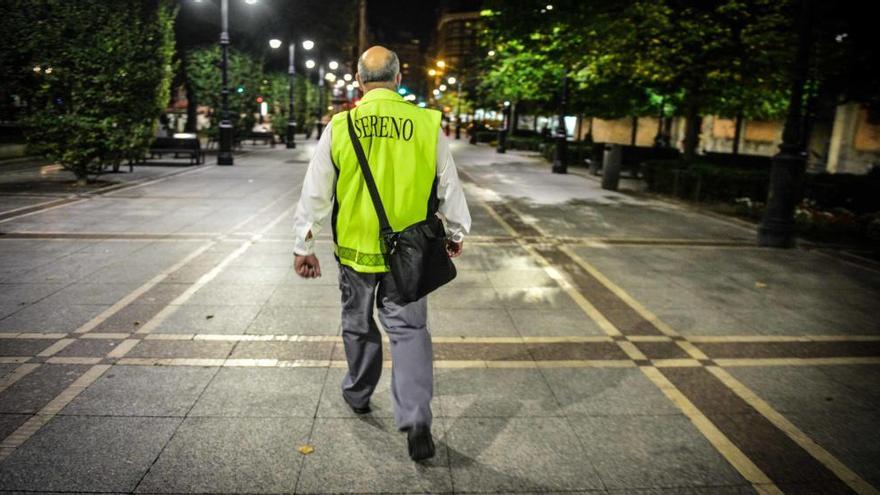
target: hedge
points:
(699, 181)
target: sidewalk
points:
(154, 339)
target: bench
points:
(632, 157)
(266, 137)
(188, 146)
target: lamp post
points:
(291, 71)
(224, 156)
(787, 166)
(457, 110)
(559, 164)
(502, 131)
(291, 118)
(320, 110)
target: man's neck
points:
(379, 85)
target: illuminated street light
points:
(441, 64)
(48, 70)
(442, 87)
(432, 72)
(37, 68)
(330, 77)
(549, 6)
(333, 65)
(250, 2)
(308, 44)
(347, 77)
(451, 80)
(436, 92)
(310, 64)
(491, 53)
(274, 43)
(354, 84)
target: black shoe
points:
(420, 443)
(358, 410)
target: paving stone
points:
(262, 392)
(558, 322)
(517, 454)
(10, 422)
(288, 320)
(142, 391)
(470, 323)
(5, 369)
(652, 451)
(850, 436)
(47, 317)
(89, 348)
(209, 319)
(36, 389)
(301, 296)
(287, 351)
(215, 293)
(23, 347)
(361, 455)
(82, 454)
(799, 388)
(606, 392)
(230, 455)
(181, 349)
(464, 298)
(332, 405)
(493, 393)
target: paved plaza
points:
(155, 339)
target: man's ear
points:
(398, 79)
(357, 77)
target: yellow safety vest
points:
(400, 143)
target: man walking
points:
(413, 168)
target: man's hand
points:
(307, 266)
(453, 249)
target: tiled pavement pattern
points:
(154, 339)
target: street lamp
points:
(333, 65)
(559, 154)
(290, 137)
(224, 155)
(502, 131)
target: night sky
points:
(330, 23)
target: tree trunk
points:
(692, 131)
(192, 115)
(737, 132)
(635, 130)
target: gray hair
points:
(385, 73)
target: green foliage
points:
(638, 57)
(700, 181)
(245, 84)
(105, 78)
(305, 94)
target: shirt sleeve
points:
(316, 199)
(453, 205)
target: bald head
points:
(378, 67)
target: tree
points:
(245, 82)
(626, 57)
(104, 78)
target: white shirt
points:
(319, 186)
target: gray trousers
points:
(412, 377)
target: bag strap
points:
(384, 226)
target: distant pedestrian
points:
(415, 176)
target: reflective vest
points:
(400, 142)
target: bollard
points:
(611, 162)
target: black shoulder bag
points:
(417, 254)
